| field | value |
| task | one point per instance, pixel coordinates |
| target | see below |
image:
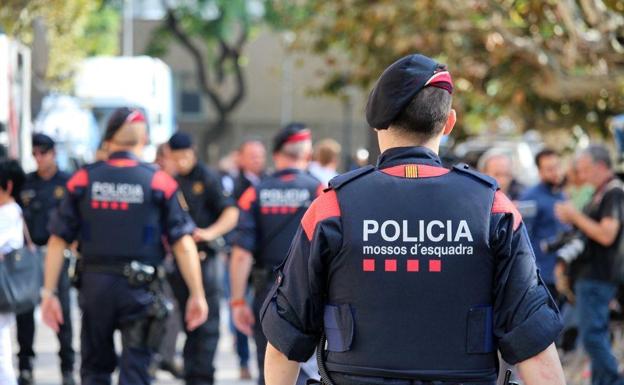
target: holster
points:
(76, 276)
(148, 330)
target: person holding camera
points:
(595, 269)
(544, 228)
(119, 211)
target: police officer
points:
(270, 215)
(415, 274)
(119, 211)
(215, 215)
(42, 192)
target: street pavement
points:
(47, 369)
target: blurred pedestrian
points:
(497, 164)
(11, 238)
(120, 211)
(599, 268)
(215, 215)
(270, 214)
(42, 193)
(251, 170)
(544, 227)
(580, 193)
(163, 159)
(326, 158)
(251, 162)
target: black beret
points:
(43, 141)
(293, 132)
(180, 141)
(120, 117)
(398, 85)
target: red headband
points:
(135, 117)
(299, 136)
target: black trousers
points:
(26, 330)
(108, 303)
(201, 344)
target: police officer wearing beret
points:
(215, 215)
(413, 273)
(42, 192)
(120, 211)
(270, 214)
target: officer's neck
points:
(136, 150)
(391, 138)
(47, 173)
(283, 162)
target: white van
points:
(105, 83)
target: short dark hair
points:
(599, 154)
(426, 113)
(11, 171)
(544, 153)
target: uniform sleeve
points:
(526, 319)
(175, 217)
(216, 200)
(292, 315)
(246, 233)
(65, 220)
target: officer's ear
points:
(450, 122)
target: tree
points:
(214, 33)
(73, 29)
(544, 63)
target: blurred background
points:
(528, 74)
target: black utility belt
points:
(346, 379)
(136, 272)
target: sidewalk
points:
(47, 370)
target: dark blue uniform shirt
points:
(544, 225)
(205, 197)
(120, 210)
(411, 271)
(39, 197)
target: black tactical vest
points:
(410, 294)
(120, 213)
(283, 198)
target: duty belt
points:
(342, 379)
(137, 273)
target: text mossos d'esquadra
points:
(404, 237)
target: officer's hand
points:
(565, 211)
(51, 312)
(196, 312)
(562, 281)
(243, 318)
(203, 235)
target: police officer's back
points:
(42, 193)
(413, 272)
(270, 214)
(119, 211)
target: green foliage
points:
(74, 29)
(545, 64)
(101, 31)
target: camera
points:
(566, 245)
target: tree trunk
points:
(209, 135)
